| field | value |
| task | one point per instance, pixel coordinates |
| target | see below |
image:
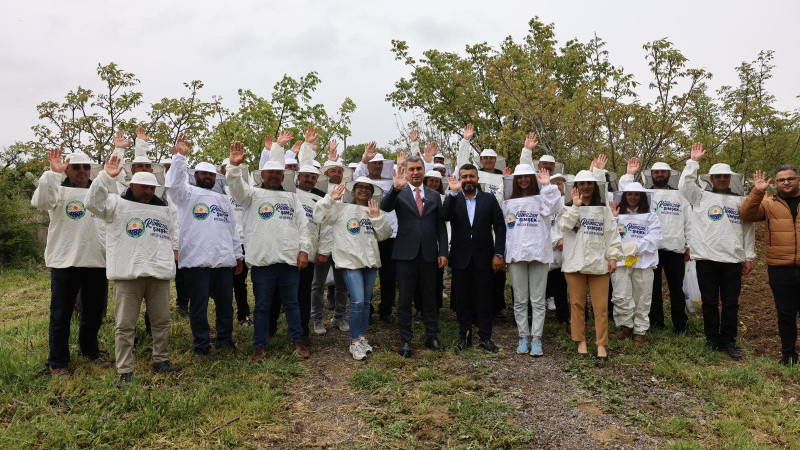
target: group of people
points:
(298, 226)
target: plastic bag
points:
(329, 278)
(691, 290)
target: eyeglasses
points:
(81, 166)
(786, 180)
(361, 187)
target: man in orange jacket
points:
(783, 248)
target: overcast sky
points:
(50, 47)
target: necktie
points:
(419, 202)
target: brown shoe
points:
(59, 372)
(638, 340)
(302, 349)
(259, 353)
(623, 333)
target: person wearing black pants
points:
(387, 275)
(720, 282)
(64, 285)
(785, 284)
(240, 293)
(672, 264)
(557, 288)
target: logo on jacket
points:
(511, 221)
(715, 213)
(266, 211)
(135, 227)
(623, 230)
(75, 209)
(200, 211)
(353, 226)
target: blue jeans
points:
(360, 283)
(200, 284)
(281, 279)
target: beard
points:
(661, 183)
(468, 188)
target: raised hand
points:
(120, 141)
(430, 150)
(414, 136)
(531, 141)
(544, 177)
(181, 146)
(236, 155)
(469, 131)
(697, 151)
(112, 166)
(454, 183)
(296, 146)
(337, 192)
(614, 208)
(57, 165)
(400, 174)
(142, 134)
(576, 197)
(369, 152)
(600, 162)
(268, 140)
(401, 158)
(310, 134)
(507, 171)
(633, 165)
(332, 155)
(759, 182)
(374, 210)
(284, 138)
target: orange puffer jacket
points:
(782, 234)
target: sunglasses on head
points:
(81, 166)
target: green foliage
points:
(18, 224)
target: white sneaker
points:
(551, 304)
(365, 344)
(341, 323)
(357, 351)
(319, 328)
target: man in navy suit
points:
(474, 255)
(419, 249)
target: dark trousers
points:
(411, 274)
(64, 286)
(240, 293)
(720, 282)
(388, 277)
(180, 288)
(202, 283)
(673, 266)
(498, 293)
(557, 288)
(473, 288)
(303, 298)
(437, 294)
(785, 284)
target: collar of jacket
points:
(154, 200)
(67, 183)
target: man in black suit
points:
(419, 249)
(474, 255)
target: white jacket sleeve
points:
(45, 196)
(749, 240)
(556, 235)
(177, 180)
(688, 183)
(651, 241)
(98, 201)
(361, 171)
(382, 227)
(551, 200)
(569, 218)
(611, 234)
(240, 190)
(264, 157)
(141, 147)
(324, 211)
(414, 148)
(464, 153)
(325, 246)
(624, 180)
(174, 228)
(526, 157)
(599, 174)
(300, 219)
(236, 242)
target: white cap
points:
(316, 164)
(524, 169)
(439, 166)
(634, 187)
(141, 160)
(366, 180)
(488, 152)
(307, 169)
(290, 160)
(438, 155)
(78, 158)
(720, 169)
(205, 167)
(145, 178)
(353, 165)
(377, 158)
(290, 155)
(661, 166)
(547, 158)
(328, 164)
(584, 175)
(433, 174)
(558, 175)
(167, 161)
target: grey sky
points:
(50, 47)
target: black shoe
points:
(165, 367)
(489, 346)
(434, 344)
(681, 331)
(387, 318)
(329, 305)
(204, 353)
(418, 317)
(405, 350)
(789, 360)
(124, 380)
(711, 345)
(462, 345)
(229, 346)
(183, 310)
(656, 326)
(733, 352)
